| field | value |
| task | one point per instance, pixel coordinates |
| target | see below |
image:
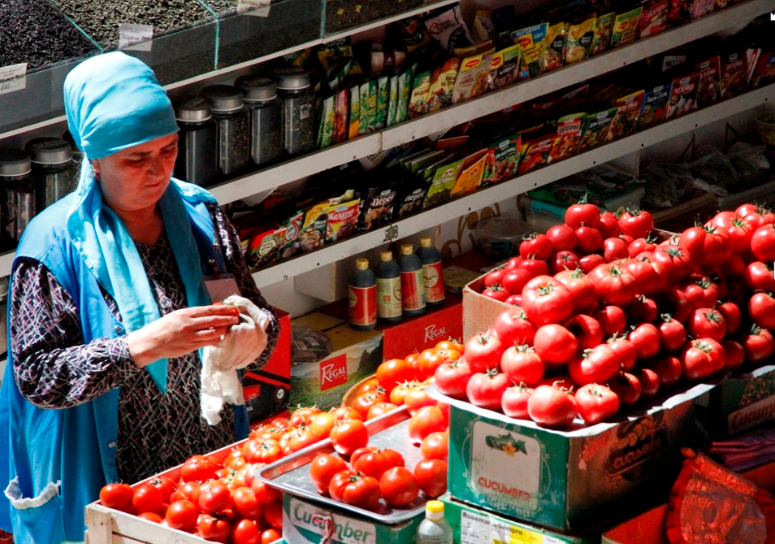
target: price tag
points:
(13, 78)
(135, 37)
(256, 8)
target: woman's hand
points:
(181, 332)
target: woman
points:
(109, 307)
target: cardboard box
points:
(354, 356)
(472, 525)
(305, 522)
(267, 390)
(567, 480)
(741, 402)
(479, 311)
(414, 334)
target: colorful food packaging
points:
(654, 17)
(418, 104)
(604, 31)
(355, 112)
(568, 136)
(654, 108)
(484, 28)
(342, 220)
(442, 83)
(392, 101)
(504, 68)
(709, 91)
(626, 27)
(383, 96)
(595, 128)
(734, 72)
(376, 207)
(579, 42)
(327, 119)
(262, 251)
(626, 119)
(404, 93)
(472, 78)
(701, 8)
(471, 173)
(502, 158)
(341, 127)
(555, 46)
(368, 107)
(680, 12)
(764, 70)
(440, 189)
(411, 33)
(288, 236)
(683, 95)
(537, 152)
(410, 200)
(533, 43)
(446, 26)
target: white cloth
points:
(239, 347)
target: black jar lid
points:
(223, 98)
(257, 88)
(192, 109)
(292, 78)
(49, 151)
(14, 162)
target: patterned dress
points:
(54, 369)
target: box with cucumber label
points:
(741, 402)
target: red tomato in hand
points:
(117, 496)
(636, 223)
(486, 389)
(596, 403)
(555, 344)
(521, 364)
(451, 378)
(398, 486)
(551, 406)
(546, 300)
(483, 352)
(349, 435)
(563, 237)
(431, 477)
(587, 331)
(514, 401)
(323, 468)
(613, 284)
(536, 246)
(596, 365)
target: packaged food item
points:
(377, 206)
(411, 33)
(504, 68)
(503, 154)
(404, 92)
(680, 12)
(442, 83)
(470, 177)
(701, 8)
(472, 78)
(446, 26)
(368, 97)
(415, 164)
(683, 95)
(764, 70)
(262, 251)
(440, 189)
(341, 127)
(410, 200)
(355, 112)
(484, 28)
(532, 40)
(625, 121)
(326, 125)
(555, 46)
(595, 128)
(418, 104)
(342, 220)
(734, 71)
(654, 17)
(654, 107)
(626, 27)
(392, 101)
(289, 238)
(472, 50)
(383, 95)
(362, 297)
(537, 152)
(568, 136)
(580, 39)
(313, 230)
(604, 31)
(709, 91)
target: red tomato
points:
(363, 403)
(431, 359)
(645, 338)
(496, 292)
(636, 223)
(341, 413)
(613, 284)
(546, 300)
(273, 514)
(379, 409)
(189, 491)
(753, 213)
(303, 415)
(648, 275)
(641, 245)
(581, 289)
(417, 398)
(264, 494)
(536, 246)
(588, 240)
(759, 276)
(597, 403)
(452, 378)
(198, 469)
(514, 401)
(555, 344)
(514, 300)
(349, 435)
(672, 334)
(551, 406)
(486, 389)
(735, 353)
(512, 327)
(299, 438)
(696, 360)
(515, 280)
(582, 214)
(151, 516)
(355, 489)
(245, 531)
(761, 308)
(564, 260)
(147, 498)
(117, 496)
(270, 535)
(245, 504)
(392, 372)
(627, 388)
(609, 225)
(700, 291)
(693, 239)
(676, 304)
(427, 420)
(435, 446)
(758, 344)
(589, 262)
(522, 365)
(615, 249)
(562, 237)
(483, 352)
(669, 370)
(732, 316)
(513, 263)
(398, 486)
(763, 243)
(165, 485)
(214, 529)
(677, 262)
(536, 267)
(707, 323)
(642, 310)
(261, 451)
(612, 320)
(716, 246)
(587, 331)
(625, 351)
(740, 232)
(649, 383)
(214, 496)
(431, 477)
(322, 424)
(495, 277)
(374, 462)
(596, 365)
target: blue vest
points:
(77, 445)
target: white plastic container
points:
(434, 529)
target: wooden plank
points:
(99, 527)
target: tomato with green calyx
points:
(537, 246)
(349, 435)
(563, 260)
(392, 372)
(672, 334)
(596, 403)
(494, 277)
(483, 352)
(636, 223)
(355, 488)
(700, 291)
(582, 213)
(512, 327)
(213, 528)
(546, 300)
(522, 364)
(214, 496)
(374, 462)
(398, 486)
(597, 365)
(697, 359)
(642, 245)
(452, 378)
(486, 389)
(551, 406)
(758, 344)
(496, 292)
(581, 289)
(626, 386)
(198, 469)
(613, 284)
(514, 401)
(707, 323)
(555, 344)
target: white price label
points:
(13, 78)
(135, 37)
(256, 8)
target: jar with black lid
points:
(15, 178)
(231, 129)
(266, 137)
(196, 162)
(298, 97)
(53, 170)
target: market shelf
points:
(510, 188)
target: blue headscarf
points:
(114, 102)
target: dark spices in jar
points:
(196, 161)
(15, 178)
(266, 135)
(232, 129)
(52, 170)
(295, 91)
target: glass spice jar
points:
(53, 170)
(298, 97)
(15, 178)
(260, 95)
(231, 129)
(196, 162)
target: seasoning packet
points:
(533, 43)
(446, 26)
(595, 128)
(262, 251)
(327, 119)
(442, 83)
(626, 119)
(411, 33)
(654, 107)
(472, 79)
(288, 236)
(568, 136)
(383, 95)
(683, 95)
(368, 107)
(392, 101)
(418, 103)
(342, 220)
(680, 12)
(341, 127)
(764, 70)
(626, 27)
(604, 31)
(313, 230)
(484, 28)
(429, 171)
(410, 200)
(709, 91)
(440, 189)
(537, 152)
(701, 8)
(502, 158)
(734, 72)
(355, 112)
(654, 17)
(470, 177)
(472, 50)
(415, 164)
(580, 39)
(555, 46)
(376, 207)
(504, 68)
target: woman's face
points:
(135, 178)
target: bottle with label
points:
(362, 297)
(388, 289)
(434, 529)
(433, 276)
(412, 284)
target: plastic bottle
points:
(388, 289)
(434, 529)
(433, 276)
(412, 284)
(362, 295)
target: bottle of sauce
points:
(412, 284)
(433, 276)
(362, 297)
(388, 289)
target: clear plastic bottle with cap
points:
(434, 529)
(433, 275)
(52, 170)
(196, 162)
(15, 178)
(362, 297)
(232, 129)
(412, 283)
(266, 128)
(295, 90)
(388, 289)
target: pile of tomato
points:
(605, 314)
